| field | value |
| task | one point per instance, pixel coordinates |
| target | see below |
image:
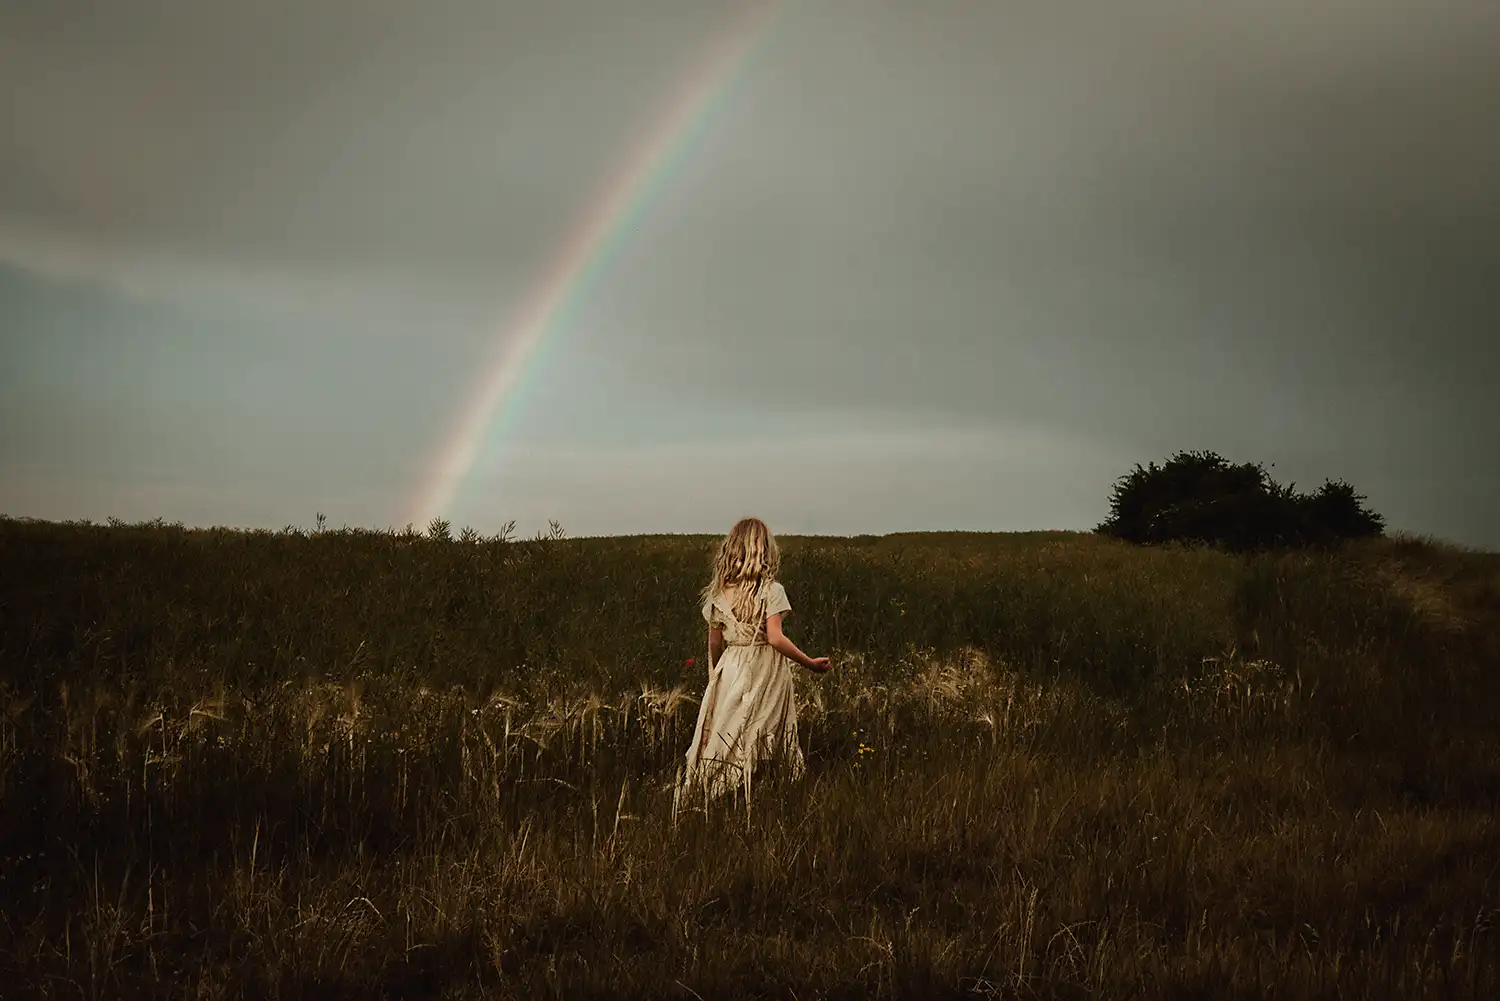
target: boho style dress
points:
(748, 713)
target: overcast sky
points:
(926, 266)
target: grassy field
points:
(340, 765)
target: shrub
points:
(1335, 513)
(1201, 498)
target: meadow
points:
(342, 764)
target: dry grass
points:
(1047, 768)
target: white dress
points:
(748, 713)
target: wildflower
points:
(691, 661)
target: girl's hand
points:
(819, 664)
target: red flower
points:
(690, 662)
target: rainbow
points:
(585, 254)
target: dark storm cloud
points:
(1271, 229)
(335, 134)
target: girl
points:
(747, 713)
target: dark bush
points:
(1335, 513)
(1200, 498)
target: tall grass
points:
(360, 764)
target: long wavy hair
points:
(747, 560)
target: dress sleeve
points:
(708, 612)
(777, 601)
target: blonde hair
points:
(747, 557)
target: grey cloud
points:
(445, 137)
(1267, 228)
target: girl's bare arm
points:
(715, 645)
(779, 641)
